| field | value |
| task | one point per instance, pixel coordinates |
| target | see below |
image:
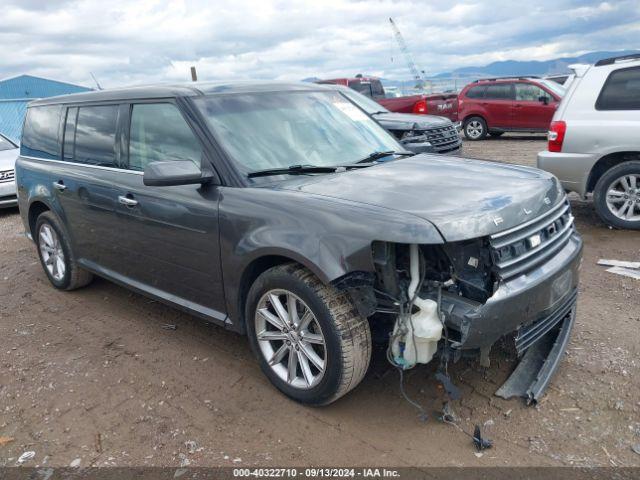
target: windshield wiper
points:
(292, 170)
(378, 155)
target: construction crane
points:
(417, 74)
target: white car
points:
(8, 154)
(594, 140)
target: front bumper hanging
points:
(545, 343)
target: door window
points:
(159, 133)
(499, 91)
(527, 92)
(95, 136)
(621, 91)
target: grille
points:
(522, 248)
(7, 176)
(530, 334)
(443, 139)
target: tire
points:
(496, 134)
(52, 242)
(622, 209)
(344, 353)
(475, 128)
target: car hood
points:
(406, 121)
(8, 159)
(462, 198)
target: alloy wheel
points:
(474, 129)
(51, 251)
(290, 339)
(623, 197)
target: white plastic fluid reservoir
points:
(423, 333)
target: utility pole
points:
(417, 76)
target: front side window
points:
(159, 133)
(95, 136)
(499, 91)
(527, 92)
(277, 130)
(621, 91)
(41, 133)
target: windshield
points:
(365, 103)
(6, 144)
(554, 87)
(276, 130)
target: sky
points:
(125, 42)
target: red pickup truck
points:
(443, 104)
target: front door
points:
(533, 107)
(169, 235)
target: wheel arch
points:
(258, 266)
(607, 162)
(36, 208)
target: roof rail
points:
(612, 60)
(510, 77)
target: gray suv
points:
(283, 212)
(594, 139)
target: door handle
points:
(60, 186)
(129, 202)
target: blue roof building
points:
(17, 92)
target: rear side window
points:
(499, 91)
(475, 92)
(160, 133)
(41, 133)
(95, 136)
(621, 91)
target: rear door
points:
(85, 185)
(169, 235)
(498, 104)
(533, 107)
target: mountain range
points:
(533, 67)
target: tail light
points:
(556, 135)
(420, 107)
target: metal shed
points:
(16, 92)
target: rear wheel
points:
(308, 337)
(475, 128)
(617, 196)
(56, 256)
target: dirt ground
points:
(94, 375)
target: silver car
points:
(8, 155)
(594, 144)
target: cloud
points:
(131, 42)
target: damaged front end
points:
(460, 298)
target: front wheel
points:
(475, 128)
(617, 196)
(308, 337)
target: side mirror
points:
(182, 172)
(544, 99)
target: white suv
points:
(594, 139)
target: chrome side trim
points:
(86, 165)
